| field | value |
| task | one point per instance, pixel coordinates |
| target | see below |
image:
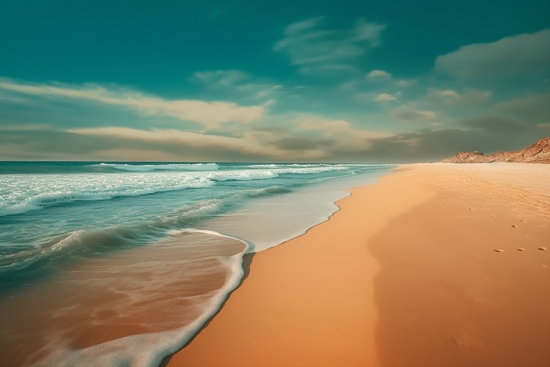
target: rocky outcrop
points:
(536, 153)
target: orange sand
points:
(406, 274)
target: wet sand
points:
(437, 265)
(83, 315)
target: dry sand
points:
(407, 273)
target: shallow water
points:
(123, 263)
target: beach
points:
(436, 265)
(123, 263)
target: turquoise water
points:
(55, 215)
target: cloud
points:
(519, 55)
(133, 144)
(407, 113)
(344, 133)
(452, 97)
(494, 124)
(380, 97)
(405, 82)
(534, 108)
(324, 140)
(221, 78)
(305, 137)
(378, 74)
(384, 97)
(328, 69)
(328, 51)
(237, 81)
(209, 114)
(252, 146)
(434, 145)
(301, 144)
(368, 31)
(450, 93)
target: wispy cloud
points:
(237, 81)
(221, 78)
(209, 114)
(321, 50)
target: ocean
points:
(120, 264)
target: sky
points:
(271, 81)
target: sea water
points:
(122, 263)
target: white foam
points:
(22, 193)
(161, 167)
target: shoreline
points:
(304, 304)
(124, 316)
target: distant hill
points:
(536, 153)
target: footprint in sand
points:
(499, 250)
(521, 249)
(542, 248)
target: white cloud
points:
(378, 74)
(384, 97)
(312, 48)
(210, 114)
(407, 113)
(519, 55)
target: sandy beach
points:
(436, 265)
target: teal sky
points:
(350, 81)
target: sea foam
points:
(161, 167)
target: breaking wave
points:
(23, 193)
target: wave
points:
(88, 242)
(161, 167)
(20, 196)
(22, 193)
